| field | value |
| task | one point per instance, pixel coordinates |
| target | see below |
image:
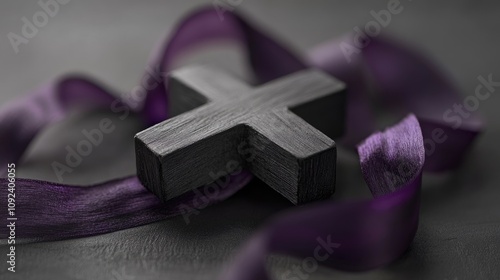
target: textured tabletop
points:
(459, 233)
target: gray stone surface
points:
(459, 234)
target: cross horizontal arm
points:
(311, 94)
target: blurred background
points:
(459, 234)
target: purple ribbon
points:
(357, 235)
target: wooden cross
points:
(279, 131)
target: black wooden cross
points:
(279, 131)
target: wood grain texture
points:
(277, 131)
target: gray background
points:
(459, 234)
